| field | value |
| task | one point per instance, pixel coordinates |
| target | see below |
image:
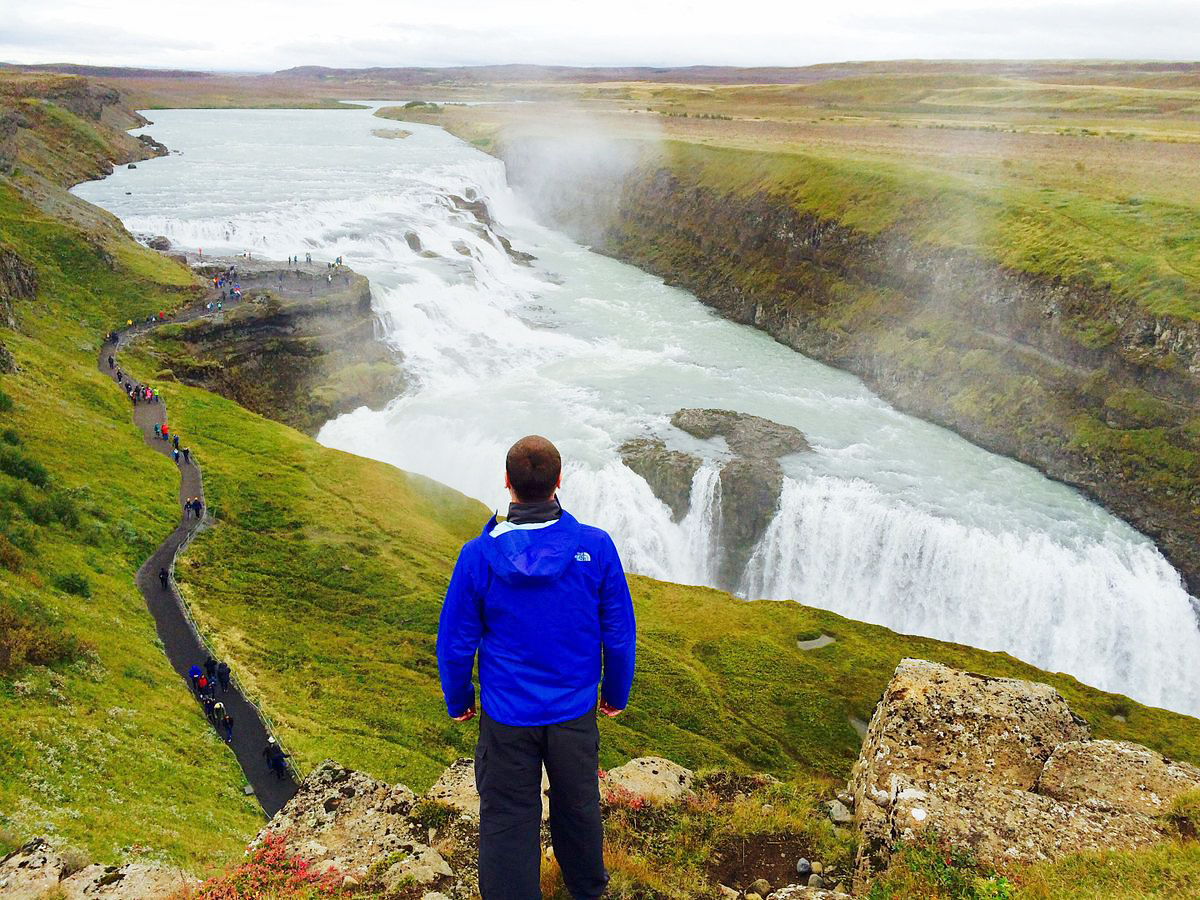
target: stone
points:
(30, 871)
(752, 895)
(456, 787)
(1117, 775)
(413, 240)
(159, 242)
(816, 881)
(817, 868)
(668, 472)
(761, 886)
(144, 881)
(803, 892)
(839, 814)
(651, 778)
(1002, 766)
(727, 893)
(803, 867)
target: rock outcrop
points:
(1004, 767)
(36, 871)
(668, 472)
(301, 348)
(363, 828)
(750, 481)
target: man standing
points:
(544, 601)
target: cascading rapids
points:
(889, 520)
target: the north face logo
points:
(583, 556)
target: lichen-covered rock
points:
(803, 892)
(347, 820)
(30, 871)
(132, 881)
(668, 472)
(456, 787)
(651, 778)
(1116, 775)
(1004, 767)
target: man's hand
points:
(467, 716)
(608, 710)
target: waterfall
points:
(888, 520)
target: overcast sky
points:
(265, 35)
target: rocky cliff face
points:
(37, 872)
(301, 348)
(1004, 768)
(1085, 385)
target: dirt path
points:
(182, 644)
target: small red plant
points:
(623, 798)
(272, 872)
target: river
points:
(888, 520)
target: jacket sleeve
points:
(618, 632)
(459, 631)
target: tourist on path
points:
(164, 579)
(175, 442)
(210, 668)
(227, 728)
(187, 456)
(208, 703)
(223, 675)
(175, 456)
(194, 676)
(543, 600)
(276, 758)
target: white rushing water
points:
(888, 520)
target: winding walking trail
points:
(182, 644)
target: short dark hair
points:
(533, 466)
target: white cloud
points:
(265, 35)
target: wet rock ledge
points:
(750, 481)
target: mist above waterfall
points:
(888, 519)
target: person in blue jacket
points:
(542, 599)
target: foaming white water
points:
(889, 519)
(1106, 611)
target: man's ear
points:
(558, 484)
(507, 484)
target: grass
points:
(102, 745)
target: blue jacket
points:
(545, 605)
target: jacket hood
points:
(530, 555)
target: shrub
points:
(11, 556)
(73, 583)
(26, 641)
(15, 463)
(10, 436)
(6, 403)
(272, 872)
(62, 506)
(932, 868)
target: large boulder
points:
(1116, 775)
(132, 881)
(456, 788)
(30, 871)
(159, 242)
(1002, 766)
(36, 871)
(649, 778)
(668, 472)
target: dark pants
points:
(508, 773)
